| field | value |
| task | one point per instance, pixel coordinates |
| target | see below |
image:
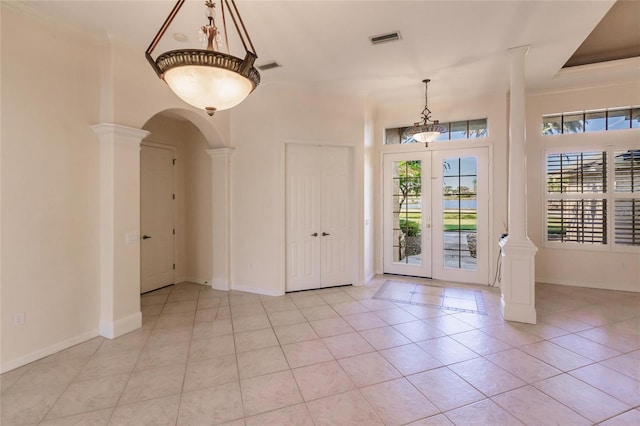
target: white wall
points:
(260, 127)
(494, 108)
(603, 268)
(193, 195)
(50, 181)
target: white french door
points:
(157, 258)
(319, 248)
(407, 214)
(436, 214)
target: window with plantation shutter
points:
(593, 198)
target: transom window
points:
(456, 130)
(593, 197)
(591, 121)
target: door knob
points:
(315, 234)
(324, 234)
(146, 237)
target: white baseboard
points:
(600, 286)
(113, 329)
(219, 284)
(198, 280)
(366, 279)
(41, 353)
(262, 291)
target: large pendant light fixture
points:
(207, 78)
(426, 130)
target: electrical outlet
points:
(19, 319)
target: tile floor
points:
(341, 357)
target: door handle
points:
(324, 234)
(315, 234)
(145, 237)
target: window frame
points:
(610, 195)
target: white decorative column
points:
(119, 228)
(518, 252)
(221, 217)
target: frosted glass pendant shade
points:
(206, 87)
(423, 134)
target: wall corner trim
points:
(113, 329)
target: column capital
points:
(111, 129)
(220, 152)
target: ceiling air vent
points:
(383, 38)
(268, 66)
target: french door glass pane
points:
(460, 195)
(407, 212)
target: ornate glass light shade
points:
(427, 130)
(206, 78)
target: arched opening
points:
(175, 200)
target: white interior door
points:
(318, 205)
(157, 251)
(407, 213)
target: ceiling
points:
(324, 45)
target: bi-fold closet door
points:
(319, 232)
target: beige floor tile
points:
(208, 303)
(335, 297)
(295, 333)
(261, 361)
(81, 350)
(237, 298)
(295, 415)
(628, 364)
(398, 402)
(523, 366)
(487, 377)
(368, 369)
(307, 300)
(560, 320)
(56, 374)
(153, 383)
(610, 381)
(154, 412)
(630, 418)
(542, 330)
(178, 307)
(10, 378)
(583, 398)
(161, 356)
(555, 355)
(89, 395)
(321, 380)
(620, 340)
(306, 353)
(92, 418)
(585, 347)
(247, 310)
(449, 324)
(478, 320)
(533, 407)
(331, 327)
(153, 299)
(445, 389)
(269, 392)
(210, 372)
(177, 320)
(422, 312)
(173, 336)
(315, 313)
(349, 408)
(484, 412)
(437, 420)
(384, 337)
(211, 406)
(377, 305)
(293, 316)
(210, 329)
(206, 315)
(480, 342)
(346, 345)
(364, 321)
(417, 331)
(249, 323)
(28, 407)
(510, 334)
(349, 308)
(256, 339)
(395, 316)
(447, 351)
(279, 305)
(202, 349)
(410, 359)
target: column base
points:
(518, 283)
